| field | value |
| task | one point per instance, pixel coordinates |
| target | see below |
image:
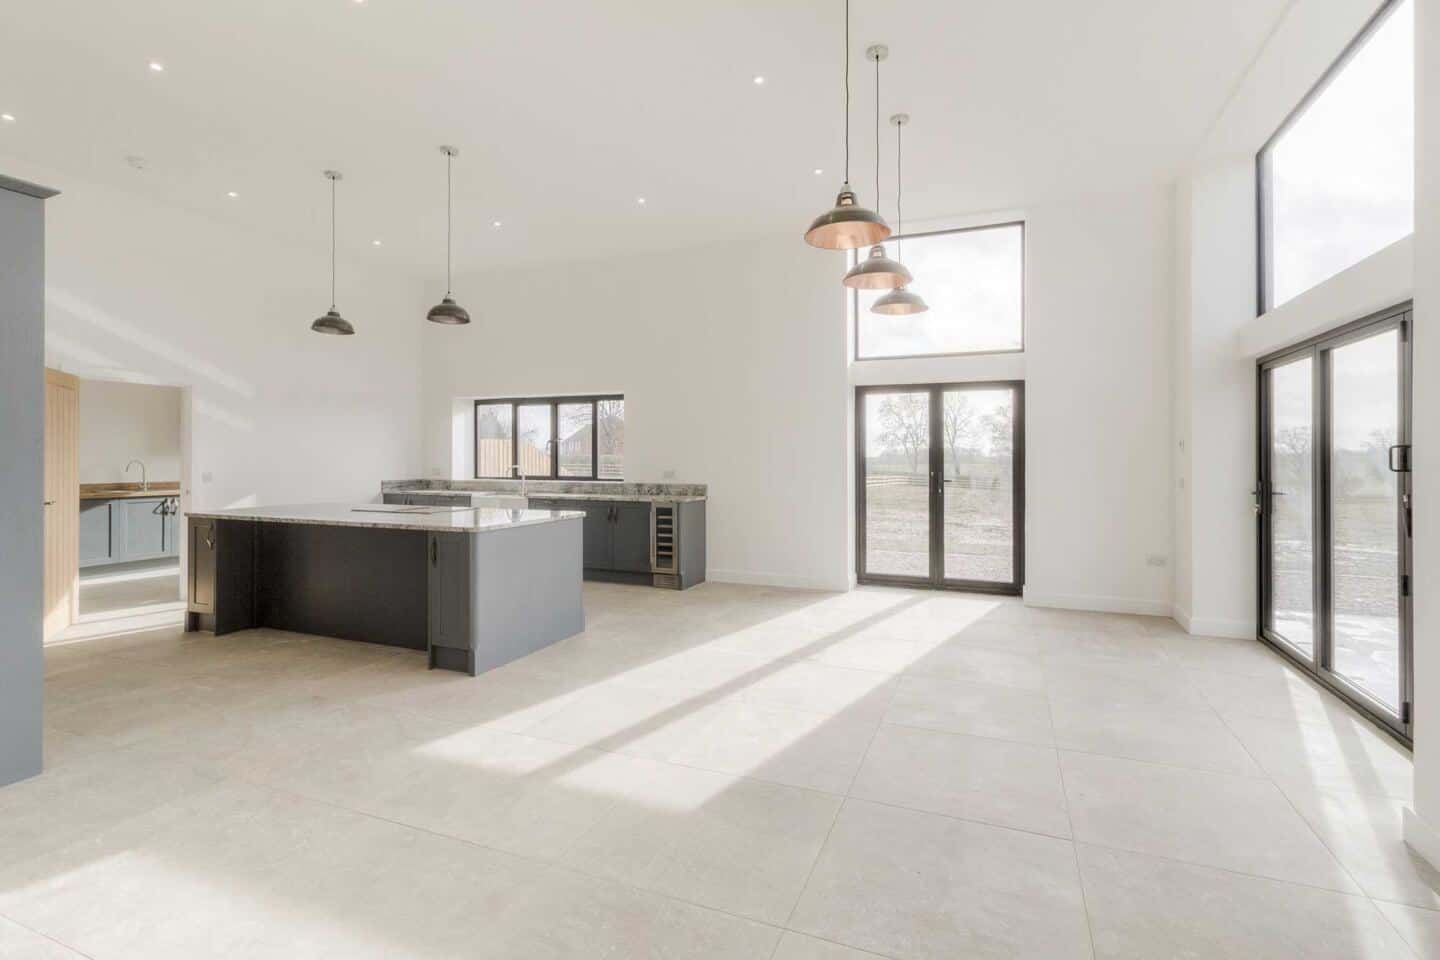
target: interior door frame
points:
(936, 489)
(1401, 319)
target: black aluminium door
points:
(940, 485)
(1333, 503)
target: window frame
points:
(554, 403)
(1264, 279)
(1024, 257)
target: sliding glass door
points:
(940, 485)
(1334, 503)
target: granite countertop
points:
(557, 489)
(394, 517)
(127, 491)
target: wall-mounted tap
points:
(518, 471)
(144, 482)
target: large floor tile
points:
(1365, 834)
(1144, 907)
(18, 943)
(1114, 684)
(570, 916)
(1344, 753)
(1236, 823)
(818, 688)
(956, 661)
(1420, 928)
(624, 718)
(798, 946)
(794, 747)
(976, 778)
(917, 885)
(738, 845)
(981, 709)
(1186, 738)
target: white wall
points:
(732, 362)
(145, 293)
(120, 422)
(1423, 828)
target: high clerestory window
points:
(1337, 181)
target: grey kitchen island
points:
(475, 588)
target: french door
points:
(940, 485)
(1333, 507)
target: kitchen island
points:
(475, 588)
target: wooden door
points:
(62, 500)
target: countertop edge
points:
(556, 516)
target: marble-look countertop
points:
(394, 517)
(557, 489)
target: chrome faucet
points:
(144, 483)
(519, 471)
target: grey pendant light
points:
(332, 322)
(901, 301)
(447, 311)
(847, 225)
(877, 271)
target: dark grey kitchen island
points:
(475, 588)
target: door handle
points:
(1400, 458)
(49, 503)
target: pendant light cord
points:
(847, 91)
(449, 216)
(878, 204)
(899, 186)
(332, 243)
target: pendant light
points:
(847, 225)
(877, 271)
(332, 322)
(899, 302)
(447, 310)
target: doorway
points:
(940, 485)
(1333, 512)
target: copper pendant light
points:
(447, 311)
(847, 225)
(899, 302)
(877, 271)
(332, 323)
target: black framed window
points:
(974, 281)
(1333, 512)
(561, 438)
(1336, 183)
(940, 485)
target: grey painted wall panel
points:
(22, 400)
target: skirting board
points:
(838, 585)
(1420, 837)
(1094, 604)
(1203, 627)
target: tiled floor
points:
(728, 772)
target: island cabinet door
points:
(598, 551)
(449, 591)
(632, 537)
(202, 566)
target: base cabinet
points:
(126, 529)
(621, 540)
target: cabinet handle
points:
(434, 552)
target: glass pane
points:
(897, 472)
(533, 430)
(492, 439)
(1342, 177)
(610, 431)
(577, 438)
(1292, 507)
(974, 281)
(1365, 565)
(978, 431)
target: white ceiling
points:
(566, 111)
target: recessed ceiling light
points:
(640, 200)
(157, 67)
(231, 194)
(758, 80)
(819, 171)
(373, 243)
(7, 117)
(496, 224)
